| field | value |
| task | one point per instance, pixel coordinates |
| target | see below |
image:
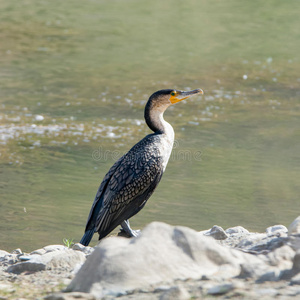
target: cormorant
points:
(130, 182)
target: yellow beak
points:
(181, 95)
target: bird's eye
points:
(173, 93)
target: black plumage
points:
(130, 182)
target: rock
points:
(24, 257)
(237, 230)
(9, 259)
(296, 280)
(204, 232)
(266, 292)
(294, 228)
(296, 263)
(162, 253)
(261, 243)
(175, 292)
(69, 296)
(221, 289)
(7, 288)
(86, 250)
(38, 251)
(251, 240)
(269, 276)
(217, 232)
(17, 251)
(52, 248)
(294, 241)
(276, 229)
(3, 254)
(66, 259)
(281, 257)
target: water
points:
(74, 81)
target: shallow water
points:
(74, 81)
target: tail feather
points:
(87, 237)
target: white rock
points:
(3, 253)
(162, 253)
(237, 230)
(65, 259)
(294, 228)
(282, 257)
(51, 248)
(39, 118)
(275, 229)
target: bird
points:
(133, 178)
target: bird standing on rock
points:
(131, 181)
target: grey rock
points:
(296, 262)
(86, 250)
(162, 253)
(294, 242)
(276, 229)
(66, 259)
(251, 240)
(288, 274)
(175, 292)
(17, 251)
(217, 232)
(294, 227)
(269, 276)
(261, 243)
(9, 259)
(220, 289)
(252, 270)
(237, 230)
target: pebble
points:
(220, 289)
(217, 233)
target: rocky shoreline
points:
(164, 262)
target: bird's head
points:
(164, 98)
(160, 101)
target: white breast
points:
(167, 142)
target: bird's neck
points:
(154, 117)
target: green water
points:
(89, 66)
